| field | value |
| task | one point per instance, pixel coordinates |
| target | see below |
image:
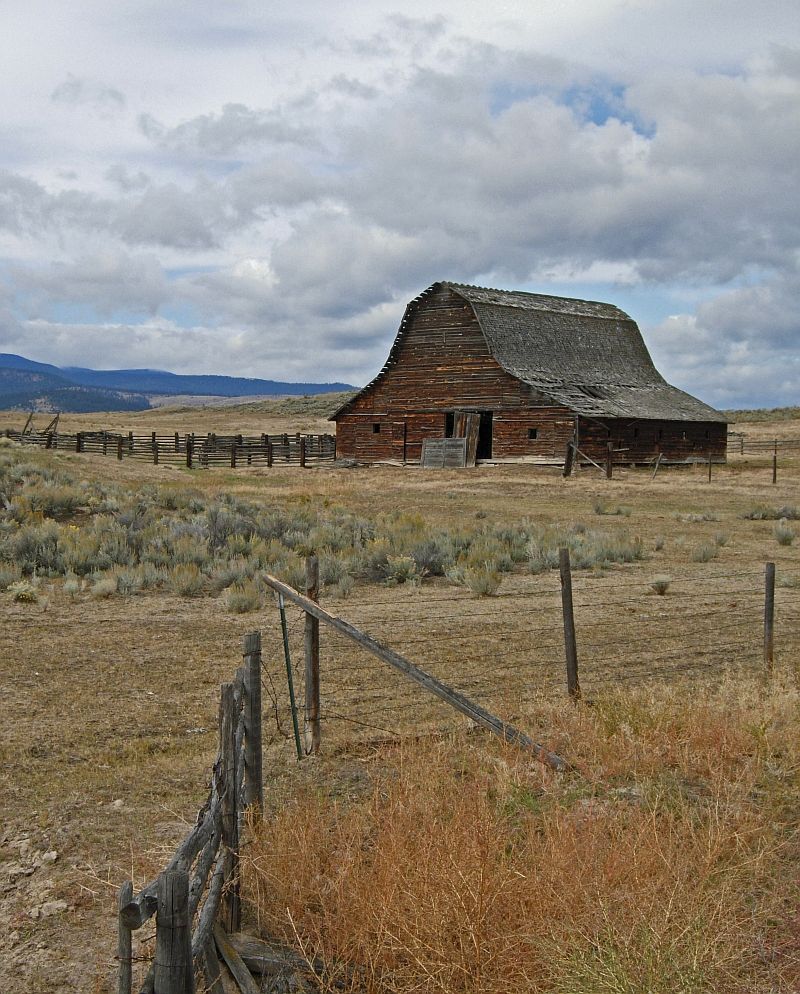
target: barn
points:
(539, 372)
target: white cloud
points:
(285, 181)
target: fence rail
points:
(189, 449)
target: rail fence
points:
(190, 450)
(740, 444)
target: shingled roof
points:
(586, 355)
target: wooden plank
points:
(769, 617)
(251, 650)
(570, 645)
(269, 958)
(452, 697)
(234, 961)
(444, 453)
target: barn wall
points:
(640, 441)
(443, 364)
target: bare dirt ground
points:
(110, 706)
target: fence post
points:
(269, 455)
(775, 462)
(313, 733)
(769, 617)
(119, 447)
(188, 452)
(173, 973)
(177, 442)
(124, 945)
(155, 453)
(230, 819)
(570, 645)
(569, 459)
(105, 443)
(709, 465)
(254, 786)
(130, 441)
(302, 450)
(233, 456)
(79, 441)
(609, 460)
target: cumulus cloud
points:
(301, 220)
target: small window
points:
(376, 428)
(533, 433)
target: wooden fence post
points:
(609, 460)
(569, 459)
(769, 617)
(105, 443)
(570, 645)
(233, 456)
(130, 441)
(269, 455)
(155, 453)
(254, 785)
(119, 447)
(775, 462)
(188, 452)
(709, 466)
(313, 734)
(174, 973)
(177, 442)
(232, 914)
(124, 945)
(79, 441)
(302, 450)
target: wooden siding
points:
(640, 441)
(443, 364)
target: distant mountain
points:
(161, 382)
(29, 385)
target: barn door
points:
(399, 440)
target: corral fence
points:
(739, 443)
(189, 449)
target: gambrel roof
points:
(583, 354)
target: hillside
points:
(29, 385)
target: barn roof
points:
(586, 355)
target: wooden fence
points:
(198, 891)
(189, 449)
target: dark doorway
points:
(449, 419)
(485, 436)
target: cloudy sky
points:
(258, 188)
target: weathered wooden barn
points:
(540, 372)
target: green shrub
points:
(705, 553)
(720, 539)
(103, 586)
(24, 592)
(661, 584)
(187, 580)
(9, 573)
(401, 569)
(764, 513)
(343, 588)
(783, 532)
(243, 597)
(483, 580)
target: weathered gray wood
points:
(658, 463)
(313, 732)
(609, 460)
(444, 453)
(211, 907)
(269, 958)
(775, 463)
(426, 680)
(570, 645)
(230, 821)
(241, 974)
(212, 973)
(174, 972)
(203, 866)
(251, 650)
(124, 945)
(769, 617)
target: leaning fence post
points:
(570, 646)
(312, 659)
(254, 786)
(124, 946)
(174, 973)
(769, 617)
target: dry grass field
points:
(110, 703)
